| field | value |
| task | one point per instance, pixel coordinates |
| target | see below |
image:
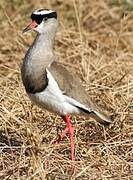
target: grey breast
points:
(34, 75)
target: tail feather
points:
(101, 117)
(98, 116)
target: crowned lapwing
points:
(48, 83)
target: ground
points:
(95, 40)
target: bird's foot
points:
(71, 134)
(61, 136)
(69, 129)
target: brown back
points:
(70, 84)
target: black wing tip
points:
(107, 122)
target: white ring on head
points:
(43, 12)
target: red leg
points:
(62, 135)
(71, 133)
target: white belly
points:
(52, 99)
(53, 102)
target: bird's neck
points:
(41, 51)
(39, 56)
(44, 42)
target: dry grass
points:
(95, 39)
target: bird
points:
(49, 84)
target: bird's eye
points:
(45, 18)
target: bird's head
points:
(43, 20)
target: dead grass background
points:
(95, 39)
